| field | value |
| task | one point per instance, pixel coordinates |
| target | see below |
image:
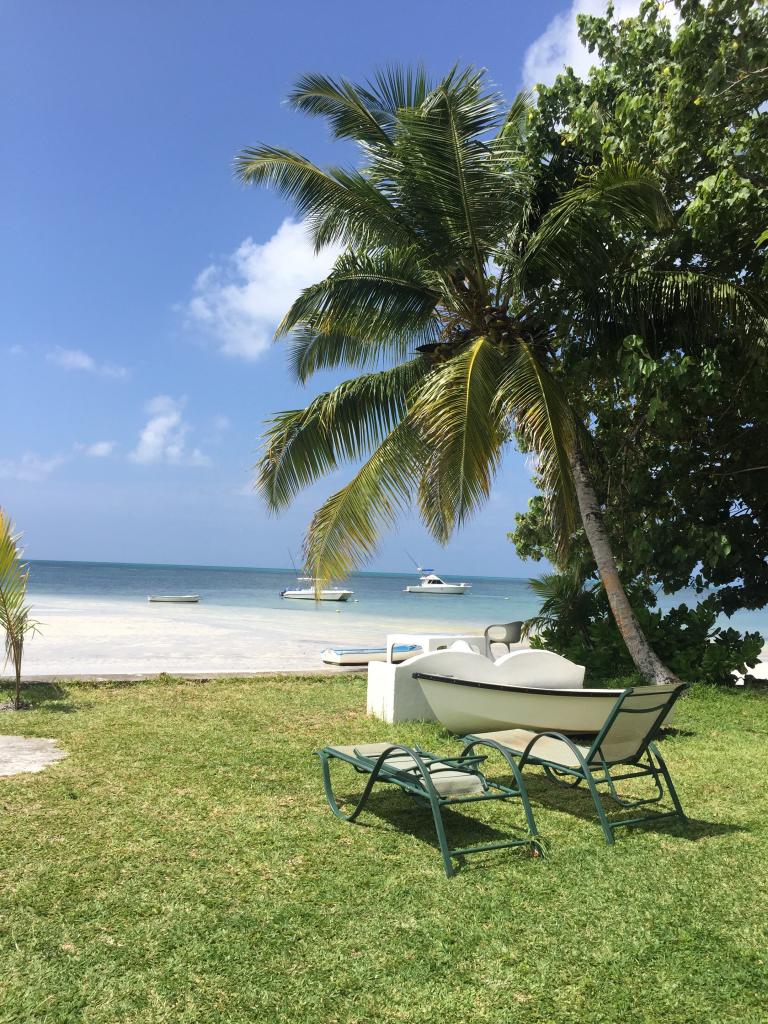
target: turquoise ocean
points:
(379, 599)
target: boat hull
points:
(469, 707)
(173, 599)
(446, 588)
(324, 595)
(365, 655)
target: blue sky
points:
(139, 283)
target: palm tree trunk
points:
(646, 660)
(17, 669)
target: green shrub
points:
(577, 623)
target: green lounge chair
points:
(624, 741)
(433, 781)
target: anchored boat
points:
(173, 598)
(310, 594)
(431, 583)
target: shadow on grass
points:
(404, 814)
(578, 802)
(43, 697)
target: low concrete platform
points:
(27, 754)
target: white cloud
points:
(76, 359)
(30, 467)
(97, 450)
(16, 350)
(163, 438)
(239, 302)
(559, 45)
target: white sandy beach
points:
(101, 637)
(96, 637)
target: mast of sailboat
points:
(419, 568)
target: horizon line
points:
(239, 568)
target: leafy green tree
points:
(679, 429)
(450, 261)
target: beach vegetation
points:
(181, 866)
(452, 259)
(575, 621)
(678, 427)
(15, 612)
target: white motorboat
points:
(365, 655)
(173, 598)
(310, 594)
(431, 583)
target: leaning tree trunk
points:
(646, 660)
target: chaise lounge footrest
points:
(432, 780)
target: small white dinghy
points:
(173, 598)
(365, 655)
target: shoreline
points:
(101, 638)
(119, 638)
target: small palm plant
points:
(568, 605)
(14, 610)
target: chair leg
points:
(328, 787)
(445, 852)
(668, 779)
(601, 815)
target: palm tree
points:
(14, 611)
(440, 299)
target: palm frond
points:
(568, 603)
(367, 296)
(534, 400)
(310, 351)
(396, 88)
(342, 425)
(457, 412)
(344, 531)
(698, 304)
(339, 205)
(348, 109)
(574, 238)
(15, 620)
(14, 575)
(366, 113)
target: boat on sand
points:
(365, 655)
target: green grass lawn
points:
(181, 865)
